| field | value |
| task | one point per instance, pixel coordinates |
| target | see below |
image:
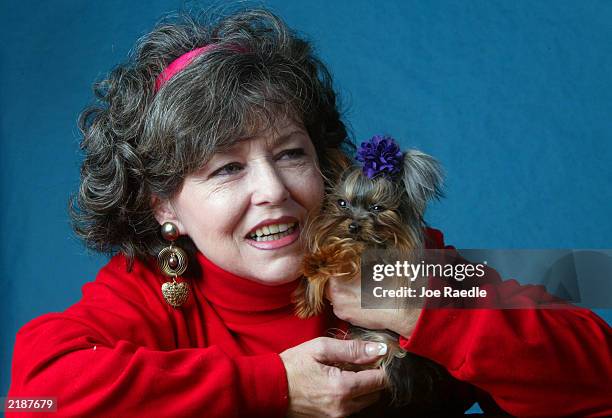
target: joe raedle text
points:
(410, 272)
(446, 292)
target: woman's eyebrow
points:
(273, 141)
(277, 140)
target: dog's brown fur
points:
(360, 214)
(334, 251)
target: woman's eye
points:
(377, 208)
(291, 153)
(231, 168)
(342, 203)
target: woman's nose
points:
(269, 186)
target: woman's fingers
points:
(318, 389)
(331, 350)
(345, 297)
(364, 382)
(342, 287)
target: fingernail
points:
(376, 349)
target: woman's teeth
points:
(272, 232)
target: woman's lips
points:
(278, 243)
(277, 221)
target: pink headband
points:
(183, 61)
(178, 64)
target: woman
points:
(223, 143)
(224, 137)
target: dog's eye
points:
(377, 208)
(342, 203)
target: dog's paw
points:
(341, 258)
(313, 263)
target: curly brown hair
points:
(138, 143)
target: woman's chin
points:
(273, 266)
(277, 272)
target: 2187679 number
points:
(29, 404)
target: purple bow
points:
(380, 156)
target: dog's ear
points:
(422, 177)
(337, 162)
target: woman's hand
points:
(345, 296)
(320, 390)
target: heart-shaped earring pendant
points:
(175, 293)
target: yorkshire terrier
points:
(378, 204)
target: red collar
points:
(229, 291)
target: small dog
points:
(378, 204)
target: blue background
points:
(513, 97)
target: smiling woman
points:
(219, 138)
(244, 208)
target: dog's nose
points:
(353, 227)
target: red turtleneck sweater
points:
(123, 351)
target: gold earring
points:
(172, 262)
